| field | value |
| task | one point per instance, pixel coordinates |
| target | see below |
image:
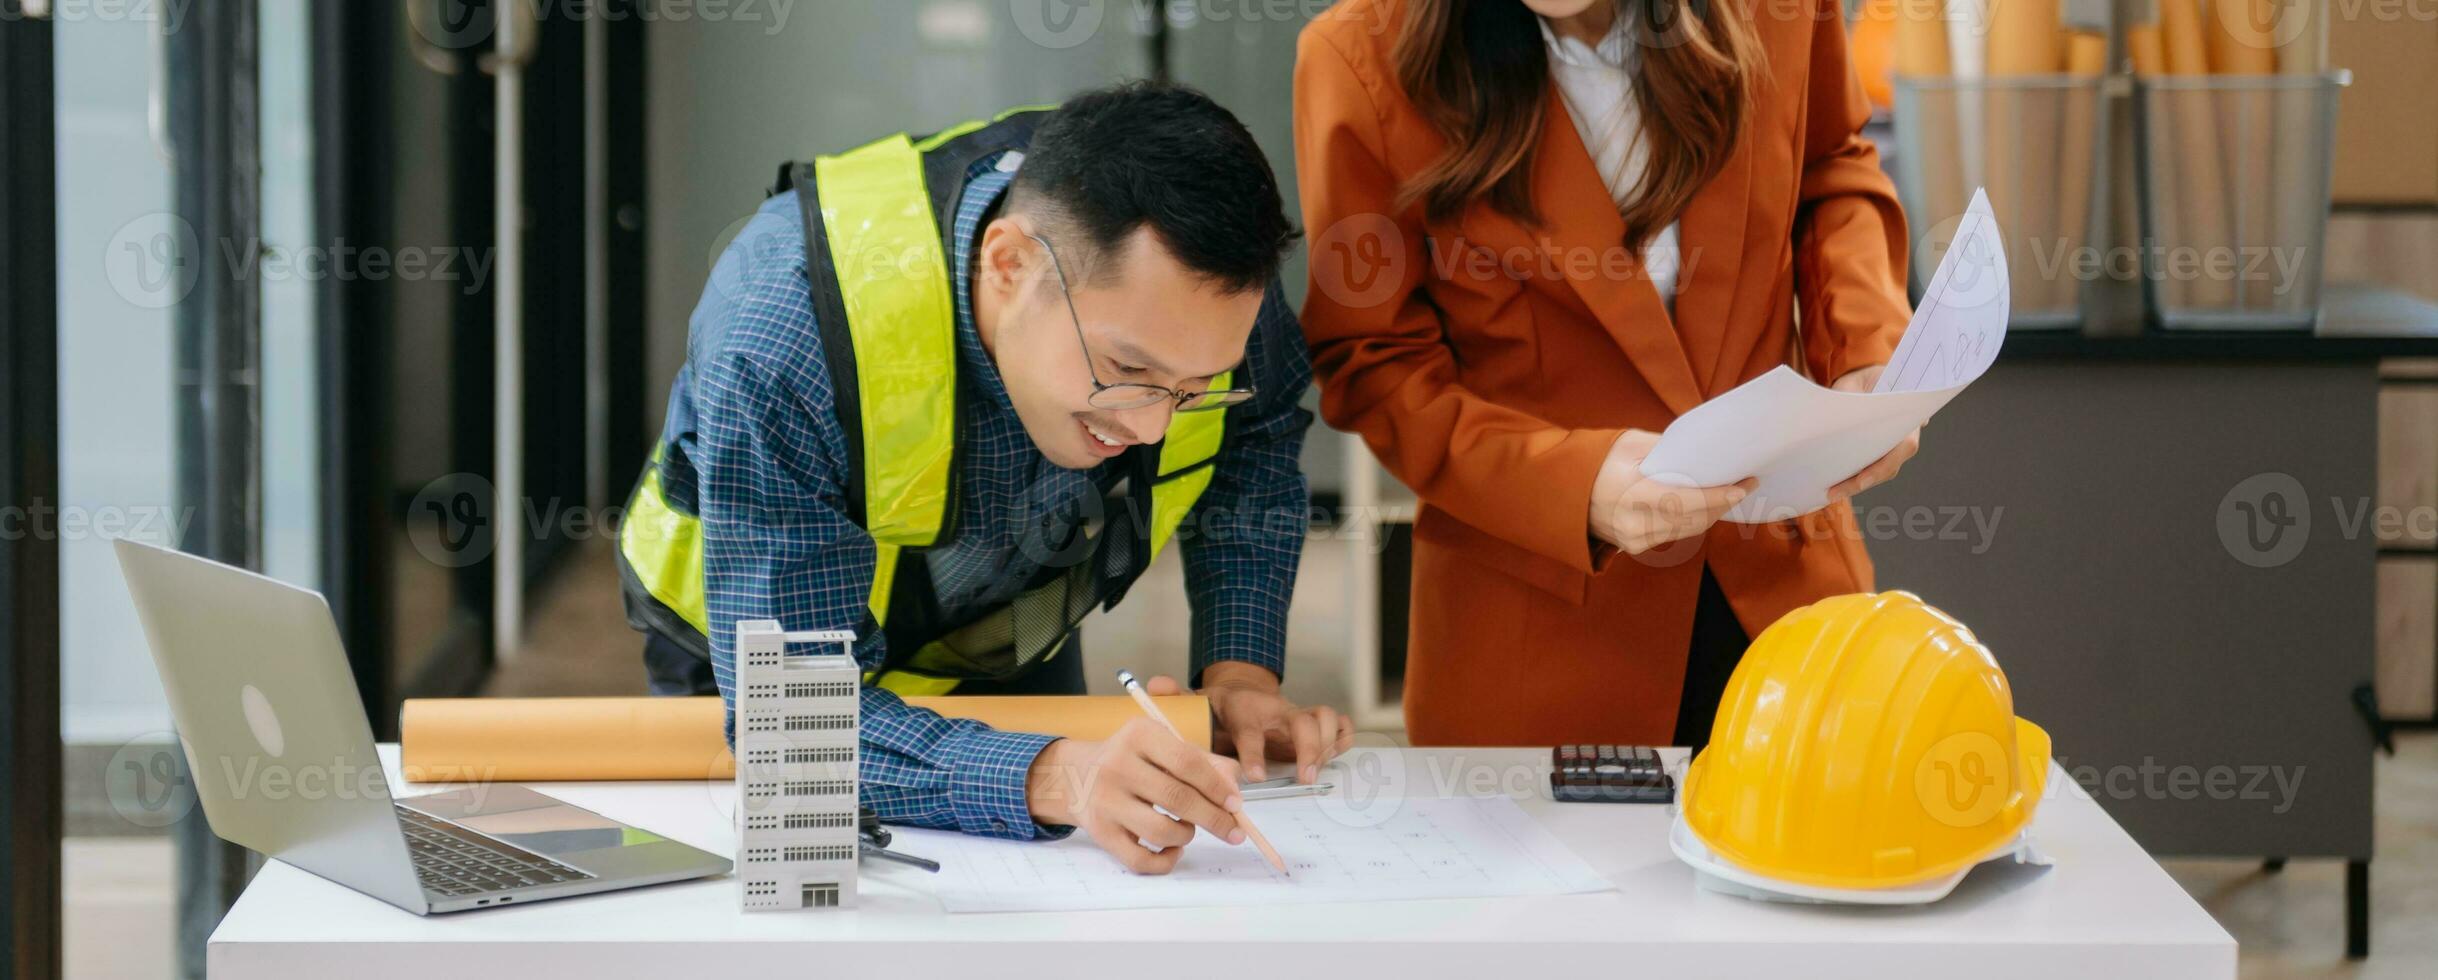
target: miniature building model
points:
(796, 721)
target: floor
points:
(2288, 924)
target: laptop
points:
(282, 758)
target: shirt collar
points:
(1613, 51)
(984, 187)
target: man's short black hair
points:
(1115, 159)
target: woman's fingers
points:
(1881, 470)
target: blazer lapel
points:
(1711, 235)
(1580, 232)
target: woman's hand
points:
(1636, 514)
(1863, 379)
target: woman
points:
(1542, 229)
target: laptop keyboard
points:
(451, 861)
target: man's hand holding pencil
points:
(1142, 793)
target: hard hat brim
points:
(1715, 874)
(2032, 749)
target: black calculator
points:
(1609, 774)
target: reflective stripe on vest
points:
(893, 278)
(885, 245)
(665, 548)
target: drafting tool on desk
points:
(1284, 787)
(1141, 697)
(873, 842)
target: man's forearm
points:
(1053, 785)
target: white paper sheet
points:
(1391, 849)
(1799, 439)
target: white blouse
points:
(1597, 84)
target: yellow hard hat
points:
(1865, 741)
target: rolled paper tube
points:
(2302, 50)
(2086, 58)
(2148, 52)
(473, 740)
(1074, 716)
(2203, 224)
(1967, 27)
(1921, 39)
(2023, 37)
(2022, 195)
(2238, 32)
(2240, 37)
(2147, 49)
(1871, 46)
(1922, 53)
(2298, 158)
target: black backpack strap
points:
(945, 165)
(837, 342)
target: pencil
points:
(1142, 698)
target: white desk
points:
(2105, 909)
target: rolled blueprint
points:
(462, 740)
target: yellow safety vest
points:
(876, 254)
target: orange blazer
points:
(1490, 365)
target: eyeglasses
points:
(1120, 397)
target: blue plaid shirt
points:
(755, 448)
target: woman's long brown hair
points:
(1479, 72)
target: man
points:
(1015, 360)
